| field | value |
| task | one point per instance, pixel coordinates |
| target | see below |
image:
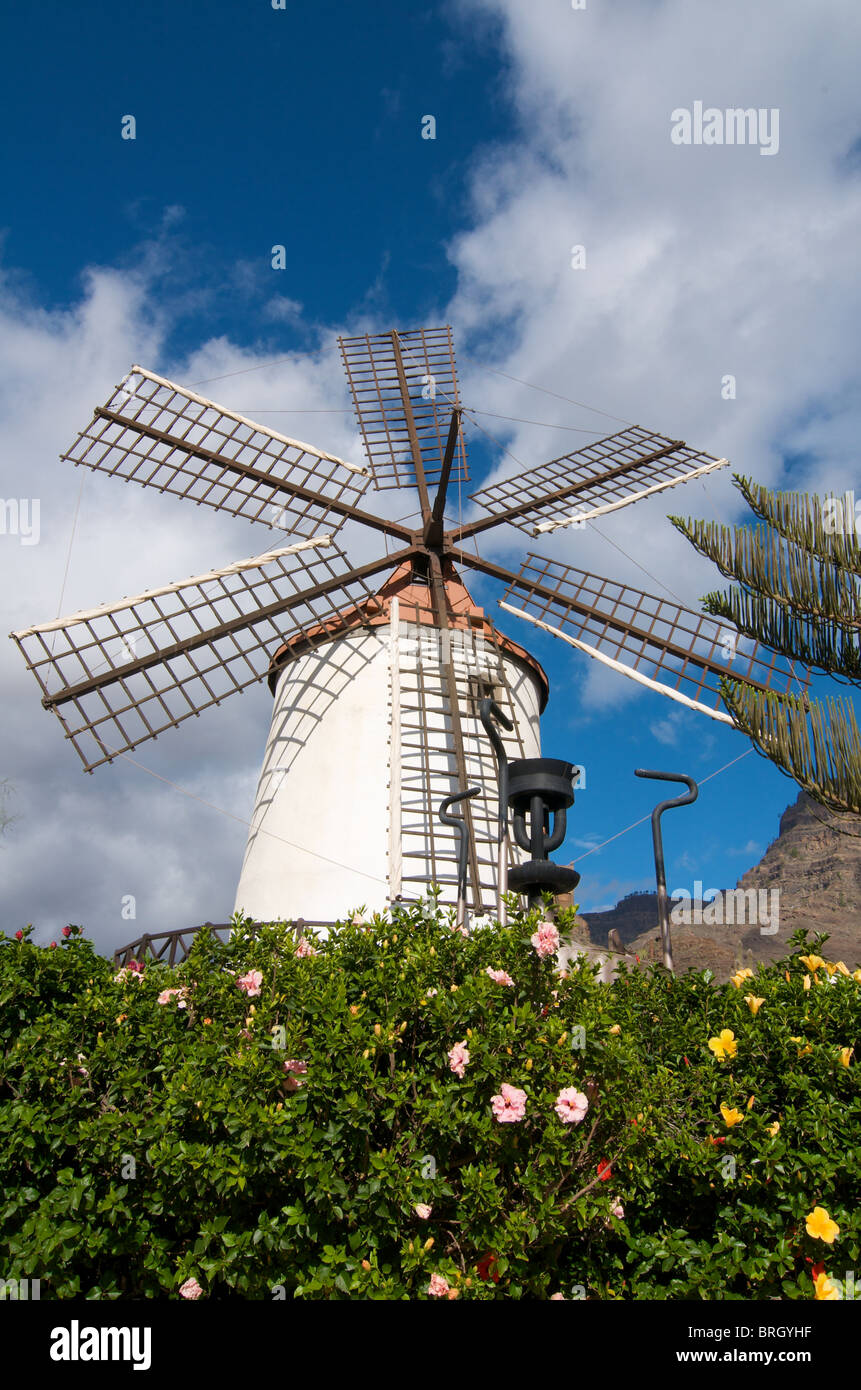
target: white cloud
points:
(666, 731)
(752, 849)
(80, 844)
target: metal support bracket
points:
(488, 710)
(461, 825)
(657, 841)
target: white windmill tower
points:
(376, 686)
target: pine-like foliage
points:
(797, 590)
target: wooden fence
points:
(174, 946)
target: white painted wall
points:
(327, 819)
(322, 795)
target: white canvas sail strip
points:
(256, 561)
(579, 517)
(243, 420)
(618, 666)
(395, 753)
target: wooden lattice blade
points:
(380, 368)
(153, 432)
(601, 477)
(656, 641)
(124, 672)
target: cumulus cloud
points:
(156, 840)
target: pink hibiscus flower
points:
(167, 994)
(251, 982)
(190, 1289)
(305, 948)
(294, 1069)
(510, 1106)
(438, 1287)
(129, 972)
(422, 1211)
(499, 977)
(458, 1058)
(546, 939)
(571, 1105)
(617, 1209)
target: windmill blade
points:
(124, 672)
(404, 388)
(158, 434)
(654, 641)
(599, 478)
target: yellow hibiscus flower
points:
(806, 982)
(813, 963)
(846, 1055)
(825, 1288)
(731, 1117)
(774, 1129)
(821, 1227)
(740, 976)
(724, 1045)
(753, 1003)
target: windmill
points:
(377, 669)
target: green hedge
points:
(288, 1144)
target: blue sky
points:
(302, 127)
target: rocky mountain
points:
(809, 876)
